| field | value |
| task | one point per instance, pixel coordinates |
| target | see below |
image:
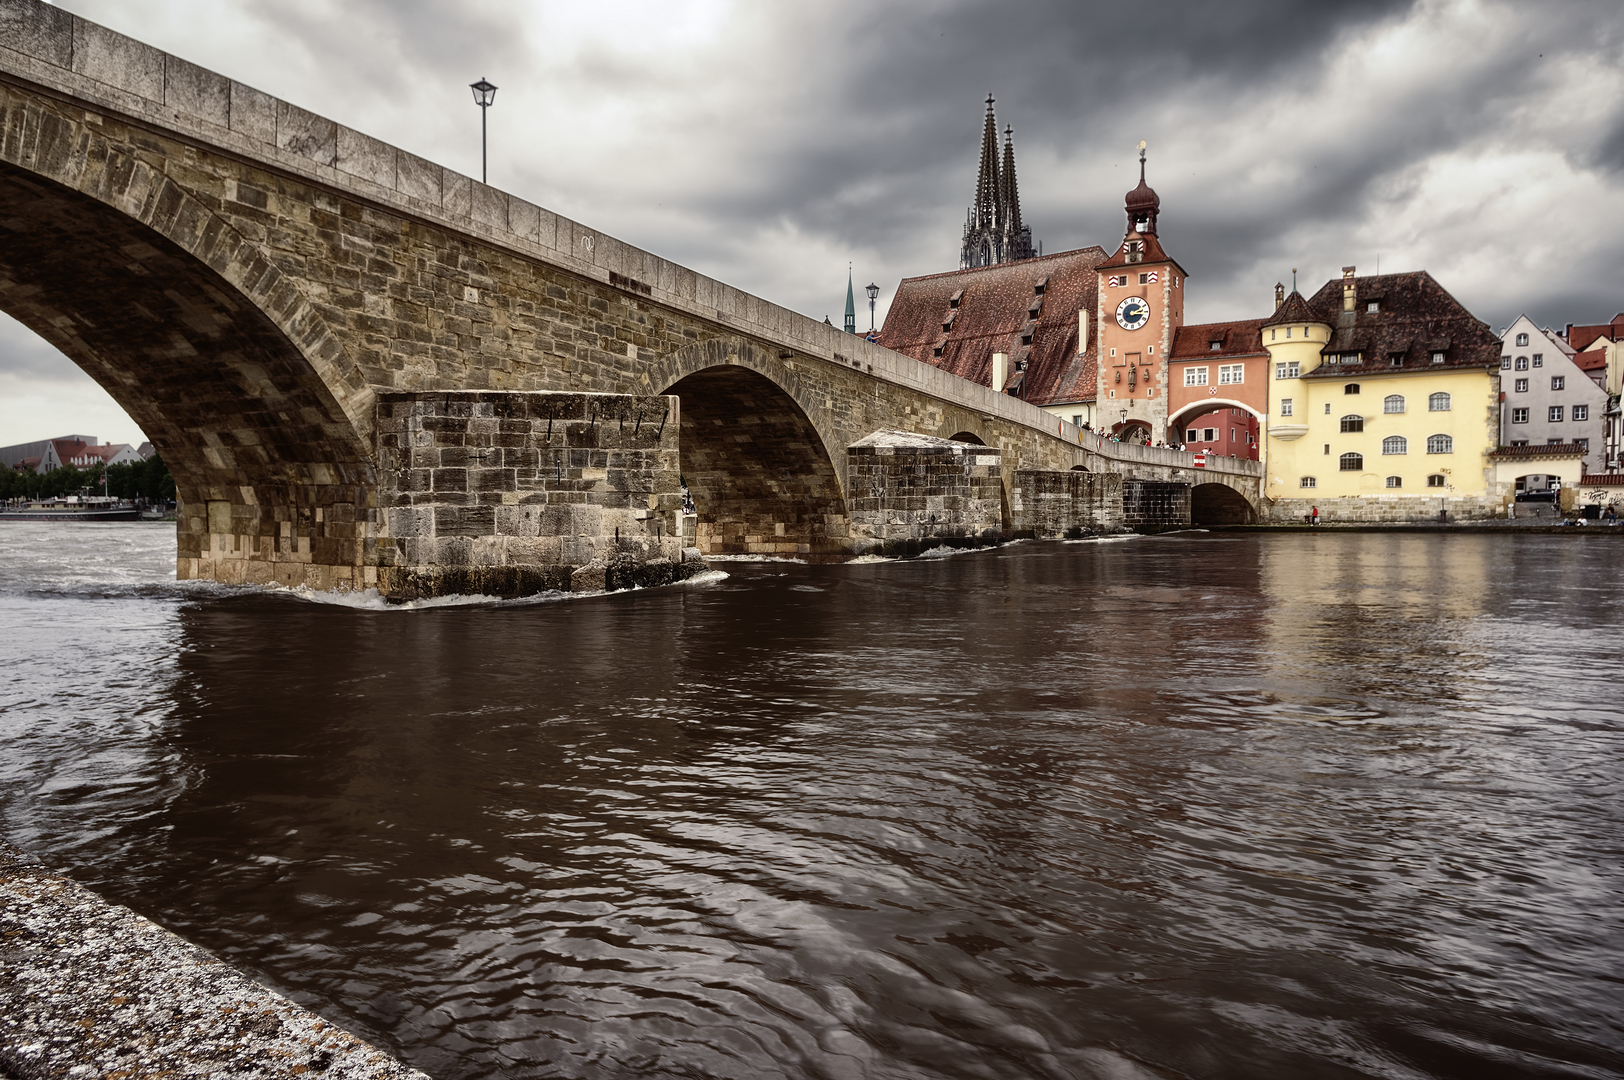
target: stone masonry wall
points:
(1153, 503)
(1414, 507)
(511, 493)
(909, 492)
(1048, 505)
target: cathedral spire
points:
(993, 232)
(851, 305)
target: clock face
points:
(1133, 313)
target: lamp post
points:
(484, 94)
(873, 291)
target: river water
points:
(1204, 805)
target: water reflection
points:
(1199, 806)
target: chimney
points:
(1000, 371)
(1279, 295)
(1082, 331)
(1348, 290)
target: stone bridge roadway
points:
(365, 369)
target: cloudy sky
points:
(768, 144)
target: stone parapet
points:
(907, 492)
(1050, 505)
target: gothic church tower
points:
(993, 232)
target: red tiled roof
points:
(994, 313)
(1581, 337)
(1611, 479)
(1549, 450)
(1244, 338)
(1415, 318)
(1590, 361)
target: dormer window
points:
(1350, 358)
(1396, 359)
(1042, 283)
(1214, 346)
(953, 301)
(1437, 358)
(1372, 307)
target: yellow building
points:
(1383, 404)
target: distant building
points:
(80, 454)
(1023, 328)
(1599, 352)
(1384, 402)
(1550, 399)
(14, 456)
(993, 230)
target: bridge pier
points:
(1049, 505)
(909, 492)
(508, 493)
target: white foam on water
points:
(866, 559)
(1104, 539)
(372, 600)
(749, 558)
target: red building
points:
(1218, 388)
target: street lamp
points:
(484, 94)
(873, 291)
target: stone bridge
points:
(366, 370)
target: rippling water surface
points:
(1325, 805)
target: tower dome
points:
(1142, 203)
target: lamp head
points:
(484, 92)
(873, 291)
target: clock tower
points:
(1141, 291)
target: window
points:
(1327, 408)
(1519, 442)
(1581, 412)
(1231, 374)
(1285, 406)
(1395, 481)
(1522, 339)
(1350, 388)
(1436, 480)
(1393, 403)
(1351, 462)
(1539, 359)
(1505, 363)
(1553, 442)
(1395, 444)
(1308, 481)
(1352, 423)
(1077, 421)
(1558, 382)
(1440, 444)
(1522, 363)
(1287, 371)
(1438, 402)
(1195, 376)
(1192, 435)
(1584, 444)
(1350, 358)
(1214, 346)
(1372, 307)
(1554, 414)
(1520, 386)
(1519, 416)
(1209, 434)
(1437, 358)
(1396, 359)
(1327, 448)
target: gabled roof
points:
(994, 307)
(1590, 361)
(1415, 318)
(1296, 310)
(1152, 253)
(1244, 338)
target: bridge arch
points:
(763, 477)
(1215, 503)
(196, 333)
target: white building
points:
(1549, 399)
